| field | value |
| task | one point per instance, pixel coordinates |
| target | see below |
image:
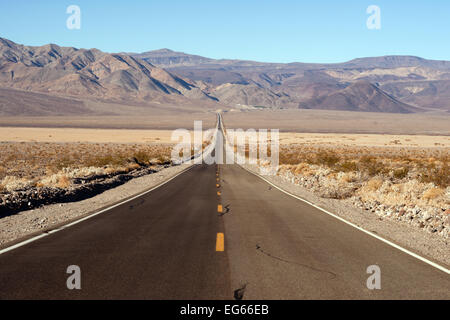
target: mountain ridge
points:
(88, 72)
(400, 84)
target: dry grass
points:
(374, 184)
(386, 175)
(63, 182)
(25, 164)
(433, 193)
(428, 165)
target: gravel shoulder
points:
(17, 227)
(419, 241)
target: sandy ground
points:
(26, 223)
(21, 134)
(366, 140)
(416, 240)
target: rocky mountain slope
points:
(396, 84)
(406, 79)
(91, 73)
(359, 96)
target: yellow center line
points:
(217, 185)
(219, 208)
(218, 193)
(220, 242)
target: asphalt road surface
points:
(168, 244)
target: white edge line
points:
(20, 244)
(431, 263)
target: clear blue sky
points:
(262, 30)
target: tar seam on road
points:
(258, 247)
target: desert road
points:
(168, 244)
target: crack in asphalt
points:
(239, 293)
(227, 209)
(132, 206)
(258, 247)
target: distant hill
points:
(90, 74)
(390, 62)
(359, 96)
(17, 103)
(166, 58)
(401, 77)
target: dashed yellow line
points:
(219, 208)
(217, 185)
(218, 193)
(220, 242)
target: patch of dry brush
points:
(30, 164)
(411, 184)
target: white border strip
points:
(431, 263)
(20, 244)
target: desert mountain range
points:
(397, 84)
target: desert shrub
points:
(300, 168)
(436, 174)
(2, 172)
(328, 159)
(14, 183)
(162, 159)
(433, 193)
(346, 166)
(374, 184)
(400, 173)
(349, 177)
(142, 157)
(65, 162)
(63, 182)
(371, 165)
(106, 160)
(26, 163)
